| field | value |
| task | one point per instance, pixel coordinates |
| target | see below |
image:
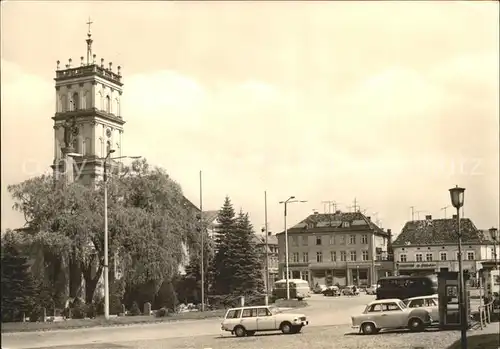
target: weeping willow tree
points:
(149, 222)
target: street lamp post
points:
(287, 270)
(106, 237)
(457, 200)
(494, 236)
(357, 275)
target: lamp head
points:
(457, 196)
(111, 151)
(291, 197)
(494, 233)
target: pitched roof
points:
(439, 231)
(210, 216)
(260, 239)
(327, 221)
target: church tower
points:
(88, 120)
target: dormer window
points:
(345, 224)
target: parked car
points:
(428, 303)
(245, 321)
(372, 289)
(331, 291)
(318, 289)
(349, 291)
(390, 314)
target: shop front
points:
(416, 268)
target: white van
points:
(299, 289)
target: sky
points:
(388, 103)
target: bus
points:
(299, 289)
(405, 286)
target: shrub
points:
(162, 312)
(36, 313)
(135, 310)
(78, 309)
(91, 311)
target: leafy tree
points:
(223, 267)
(247, 277)
(18, 287)
(149, 220)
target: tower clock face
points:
(108, 132)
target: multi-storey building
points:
(272, 257)
(431, 245)
(340, 248)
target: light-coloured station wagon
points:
(245, 321)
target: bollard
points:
(147, 308)
(267, 299)
(44, 314)
(242, 301)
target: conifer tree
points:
(247, 277)
(223, 266)
(18, 287)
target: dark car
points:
(331, 291)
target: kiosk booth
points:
(449, 300)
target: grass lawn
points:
(480, 341)
(100, 321)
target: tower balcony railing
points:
(87, 70)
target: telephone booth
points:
(449, 300)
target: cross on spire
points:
(89, 23)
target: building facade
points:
(272, 257)
(342, 248)
(431, 245)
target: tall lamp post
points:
(106, 237)
(494, 236)
(457, 200)
(287, 270)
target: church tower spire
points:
(89, 43)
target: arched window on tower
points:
(62, 103)
(76, 101)
(108, 104)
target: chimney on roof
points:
(428, 217)
(369, 218)
(315, 212)
(338, 212)
(454, 216)
(269, 233)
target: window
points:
(318, 240)
(470, 256)
(319, 256)
(305, 257)
(333, 256)
(233, 314)
(332, 239)
(458, 256)
(108, 104)
(352, 239)
(353, 255)
(418, 257)
(304, 241)
(305, 275)
(365, 255)
(402, 258)
(375, 308)
(263, 312)
(431, 302)
(295, 257)
(442, 256)
(343, 256)
(493, 253)
(248, 313)
(75, 102)
(345, 224)
(295, 241)
(342, 239)
(428, 257)
(391, 307)
(364, 239)
(416, 303)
